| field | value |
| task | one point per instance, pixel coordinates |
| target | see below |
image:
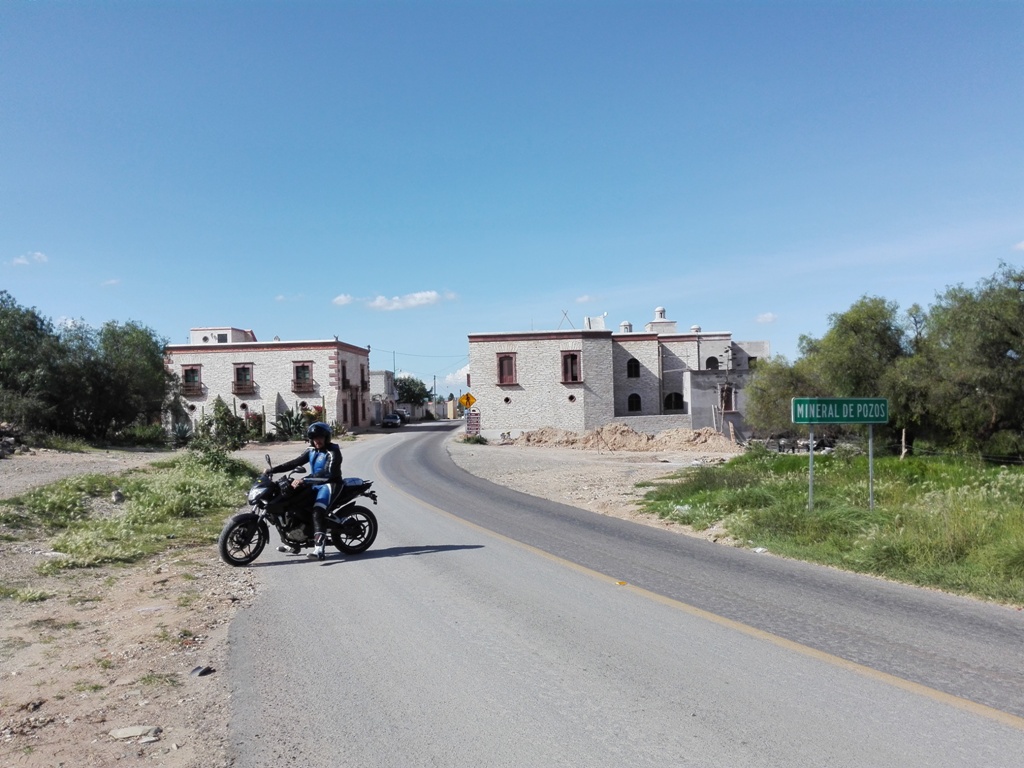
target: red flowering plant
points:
(313, 413)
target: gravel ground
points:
(104, 671)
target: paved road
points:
(489, 629)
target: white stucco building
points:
(269, 377)
(578, 380)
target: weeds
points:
(180, 503)
(54, 625)
(168, 680)
(23, 594)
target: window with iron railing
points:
(191, 384)
(303, 381)
(243, 383)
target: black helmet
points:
(318, 429)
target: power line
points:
(410, 354)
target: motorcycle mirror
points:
(299, 471)
(269, 462)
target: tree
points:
(76, 380)
(27, 343)
(771, 389)
(976, 347)
(861, 345)
(133, 365)
(411, 390)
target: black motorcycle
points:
(352, 527)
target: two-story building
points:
(578, 380)
(383, 394)
(270, 377)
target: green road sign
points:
(840, 410)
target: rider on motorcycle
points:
(324, 459)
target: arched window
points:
(633, 368)
(711, 364)
(674, 402)
(633, 404)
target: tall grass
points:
(955, 525)
(179, 503)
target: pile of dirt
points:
(620, 437)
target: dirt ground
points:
(598, 470)
(124, 665)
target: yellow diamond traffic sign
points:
(467, 400)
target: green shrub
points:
(290, 425)
(184, 503)
(181, 434)
(152, 435)
(55, 442)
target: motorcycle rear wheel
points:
(356, 533)
(242, 540)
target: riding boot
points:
(318, 545)
(319, 539)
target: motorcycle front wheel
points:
(242, 540)
(356, 532)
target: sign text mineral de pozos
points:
(840, 410)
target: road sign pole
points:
(841, 410)
(810, 490)
(871, 466)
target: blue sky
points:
(402, 174)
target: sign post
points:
(841, 410)
(472, 414)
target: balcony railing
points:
(364, 385)
(300, 386)
(346, 384)
(242, 388)
(191, 388)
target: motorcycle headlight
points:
(256, 493)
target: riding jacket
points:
(324, 466)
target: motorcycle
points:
(351, 527)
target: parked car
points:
(403, 414)
(391, 420)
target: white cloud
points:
(457, 379)
(767, 317)
(35, 257)
(409, 301)
(113, 281)
(341, 300)
(1019, 246)
(585, 299)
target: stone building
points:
(383, 394)
(578, 380)
(270, 377)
